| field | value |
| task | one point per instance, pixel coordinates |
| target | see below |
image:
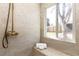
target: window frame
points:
(73, 31)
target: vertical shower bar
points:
(12, 17)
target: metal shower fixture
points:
(12, 32)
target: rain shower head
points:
(12, 33)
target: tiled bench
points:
(47, 52)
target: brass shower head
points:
(12, 33)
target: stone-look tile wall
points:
(27, 24)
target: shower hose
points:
(5, 37)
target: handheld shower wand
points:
(5, 38)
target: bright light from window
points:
(65, 22)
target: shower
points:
(12, 32)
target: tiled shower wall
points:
(27, 24)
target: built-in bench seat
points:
(47, 52)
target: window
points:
(59, 22)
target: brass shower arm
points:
(12, 17)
